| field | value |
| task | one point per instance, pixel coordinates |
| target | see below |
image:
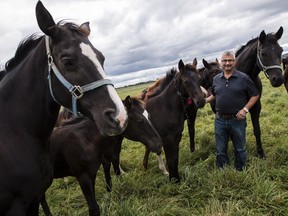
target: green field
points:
(261, 189)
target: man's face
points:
(228, 63)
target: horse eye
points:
(66, 61)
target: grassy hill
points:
(261, 189)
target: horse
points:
(83, 155)
(61, 67)
(261, 54)
(166, 106)
(207, 73)
(285, 68)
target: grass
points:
(261, 189)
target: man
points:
(235, 94)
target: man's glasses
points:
(227, 60)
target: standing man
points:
(235, 94)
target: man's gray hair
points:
(229, 53)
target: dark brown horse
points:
(30, 96)
(166, 107)
(79, 148)
(261, 54)
(285, 68)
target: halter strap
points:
(182, 98)
(76, 91)
(262, 66)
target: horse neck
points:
(247, 61)
(25, 98)
(169, 98)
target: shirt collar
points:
(234, 74)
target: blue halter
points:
(76, 91)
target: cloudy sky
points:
(136, 35)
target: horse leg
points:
(87, 185)
(171, 149)
(255, 114)
(162, 166)
(146, 157)
(115, 159)
(106, 166)
(191, 112)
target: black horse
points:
(261, 54)
(61, 67)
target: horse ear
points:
(195, 62)
(279, 33)
(45, 20)
(262, 37)
(85, 29)
(181, 65)
(128, 102)
(206, 64)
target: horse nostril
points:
(110, 116)
(277, 81)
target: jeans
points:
(236, 130)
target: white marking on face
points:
(121, 111)
(122, 114)
(88, 51)
(145, 114)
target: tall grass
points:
(261, 189)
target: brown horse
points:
(79, 149)
(167, 110)
(46, 71)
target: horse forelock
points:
(272, 38)
(69, 25)
(191, 67)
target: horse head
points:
(269, 56)
(189, 82)
(76, 76)
(208, 72)
(139, 126)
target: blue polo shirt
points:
(232, 94)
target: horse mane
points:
(158, 86)
(271, 37)
(24, 47)
(252, 41)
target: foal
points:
(79, 148)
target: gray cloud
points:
(136, 35)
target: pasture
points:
(261, 189)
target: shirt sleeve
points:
(251, 88)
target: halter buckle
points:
(76, 91)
